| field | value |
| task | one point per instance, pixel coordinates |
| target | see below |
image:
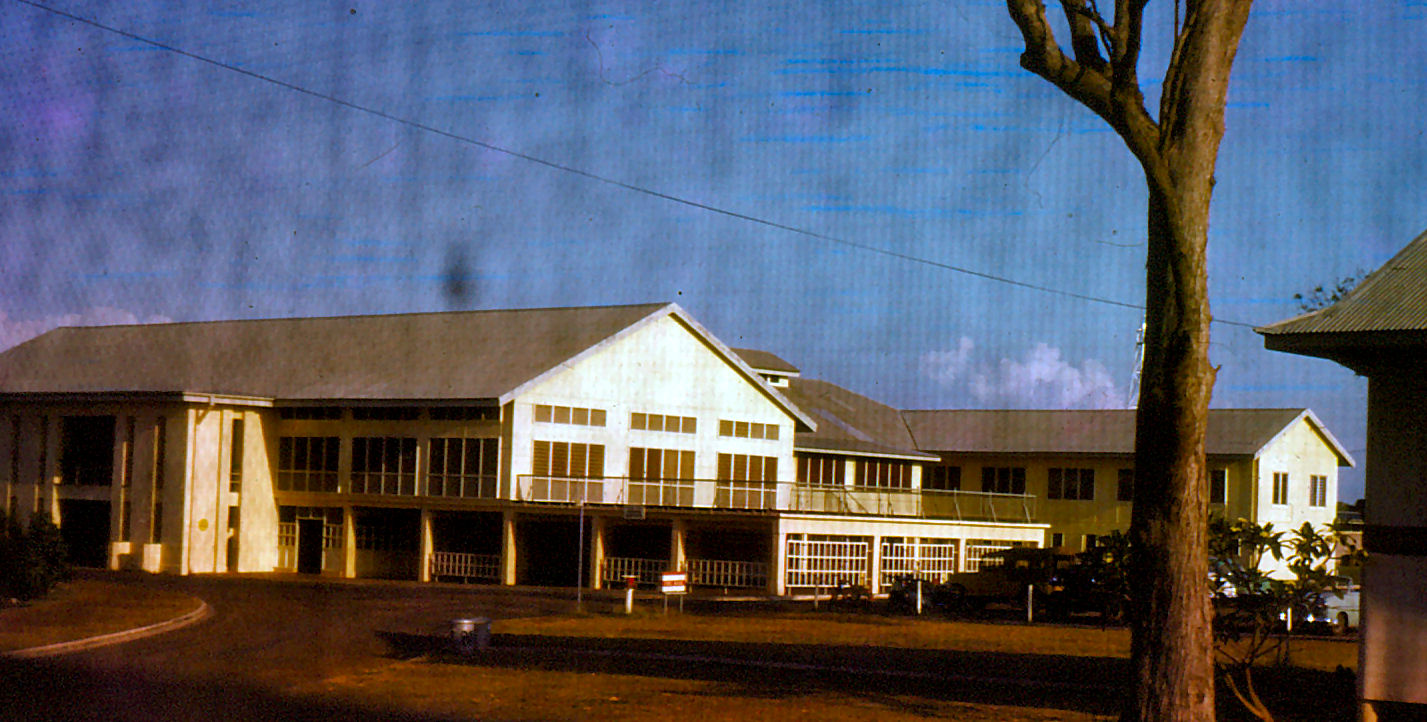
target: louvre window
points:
(463, 467)
(881, 474)
(1003, 479)
(577, 416)
(307, 463)
(1071, 484)
(564, 459)
(747, 430)
(384, 465)
(821, 470)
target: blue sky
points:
(138, 183)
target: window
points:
(660, 422)
(383, 465)
(310, 413)
(1280, 487)
(942, 478)
(1218, 486)
(464, 413)
(563, 459)
(86, 456)
(743, 467)
(161, 452)
(669, 464)
(1003, 479)
(463, 467)
(746, 482)
(386, 413)
(1091, 541)
(747, 430)
(1317, 490)
(307, 463)
(882, 474)
(235, 456)
(1125, 485)
(1057, 539)
(1071, 484)
(821, 470)
(574, 415)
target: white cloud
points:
(944, 367)
(1042, 379)
(14, 331)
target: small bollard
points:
(630, 582)
(469, 635)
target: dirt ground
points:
(301, 649)
(88, 607)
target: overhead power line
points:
(417, 125)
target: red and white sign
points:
(674, 583)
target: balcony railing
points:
(771, 496)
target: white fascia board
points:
(1344, 458)
(681, 316)
(866, 454)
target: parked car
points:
(1339, 610)
(1005, 576)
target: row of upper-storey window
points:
(389, 413)
(388, 465)
(1067, 483)
(830, 470)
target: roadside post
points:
(674, 584)
(1030, 603)
(919, 595)
(630, 582)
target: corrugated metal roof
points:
(462, 355)
(1231, 432)
(1392, 298)
(849, 422)
(764, 361)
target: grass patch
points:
(85, 608)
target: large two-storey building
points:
(550, 446)
(561, 447)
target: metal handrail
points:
(954, 505)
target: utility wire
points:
(594, 176)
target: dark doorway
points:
(647, 540)
(548, 552)
(309, 546)
(87, 450)
(84, 527)
(388, 543)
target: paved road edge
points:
(103, 640)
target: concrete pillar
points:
(874, 566)
(424, 573)
(961, 554)
(349, 543)
(507, 548)
(597, 532)
(49, 499)
(779, 563)
(678, 560)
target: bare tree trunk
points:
(1171, 641)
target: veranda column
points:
(597, 531)
(349, 543)
(507, 548)
(424, 572)
(677, 556)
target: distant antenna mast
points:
(1134, 399)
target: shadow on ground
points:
(1081, 684)
(63, 690)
